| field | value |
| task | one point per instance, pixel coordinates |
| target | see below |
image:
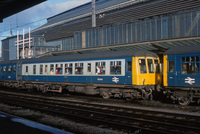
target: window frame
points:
(145, 71)
(150, 66)
(98, 67)
(190, 65)
(78, 67)
(114, 65)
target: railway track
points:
(118, 117)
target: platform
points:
(10, 124)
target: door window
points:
(171, 66)
(150, 65)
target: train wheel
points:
(129, 98)
(183, 101)
(105, 95)
(44, 89)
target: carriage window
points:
(4, 70)
(59, 68)
(89, 67)
(46, 68)
(142, 64)
(52, 69)
(129, 66)
(150, 65)
(14, 69)
(68, 68)
(190, 66)
(171, 66)
(41, 69)
(34, 69)
(0, 69)
(78, 68)
(157, 67)
(115, 67)
(26, 69)
(100, 68)
(10, 69)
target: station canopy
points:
(10, 7)
(158, 47)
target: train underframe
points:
(183, 95)
(129, 92)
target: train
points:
(129, 74)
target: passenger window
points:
(41, 69)
(100, 68)
(142, 64)
(157, 66)
(78, 68)
(26, 69)
(34, 69)
(9, 69)
(59, 68)
(4, 70)
(191, 66)
(89, 67)
(68, 68)
(171, 66)
(150, 65)
(197, 59)
(14, 69)
(115, 67)
(52, 69)
(46, 68)
(0, 69)
(129, 66)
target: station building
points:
(154, 25)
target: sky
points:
(35, 17)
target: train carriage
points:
(129, 74)
(181, 74)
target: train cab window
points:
(89, 67)
(115, 67)
(171, 66)
(129, 66)
(4, 70)
(68, 68)
(100, 68)
(157, 66)
(142, 65)
(52, 69)
(41, 69)
(14, 69)
(59, 68)
(78, 68)
(9, 69)
(34, 69)
(150, 65)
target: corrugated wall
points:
(185, 24)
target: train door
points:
(171, 71)
(128, 79)
(19, 70)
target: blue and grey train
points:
(129, 74)
(181, 74)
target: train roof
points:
(193, 49)
(90, 56)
